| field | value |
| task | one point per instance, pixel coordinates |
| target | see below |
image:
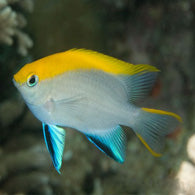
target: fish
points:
(97, 95)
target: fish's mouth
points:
(15, 83)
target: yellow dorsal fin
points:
(78, 59)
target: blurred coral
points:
(12, 22)
(186, 173)
(191, 148)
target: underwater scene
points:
(97, 97)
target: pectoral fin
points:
(112, 142)
(54, 138)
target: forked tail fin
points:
(152, 126)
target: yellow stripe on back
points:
(148, 147)
(78, 59)
(163, 112)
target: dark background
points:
(160, 33)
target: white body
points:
(86, 101)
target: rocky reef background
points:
(160, 33)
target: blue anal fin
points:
(112, 142)
(54, 138)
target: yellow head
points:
(30, 80)
(38, 71)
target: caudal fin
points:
(152, 126)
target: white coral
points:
(11, 23)
(24, 42)
(186, 174)
(191, 148)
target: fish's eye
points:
(32, 80)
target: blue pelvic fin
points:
(139, 85)
(54, 138)
(112, 142)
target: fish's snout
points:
(13, 80)
(15, 83)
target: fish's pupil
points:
(32, 80)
